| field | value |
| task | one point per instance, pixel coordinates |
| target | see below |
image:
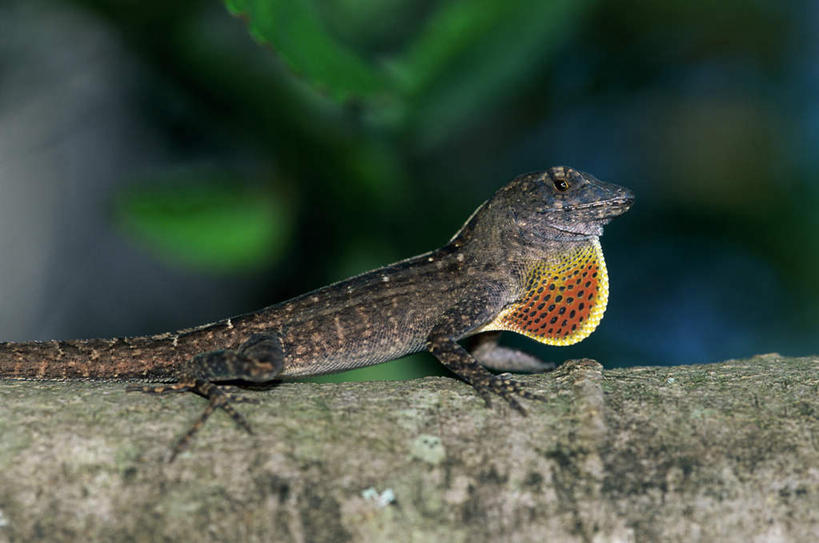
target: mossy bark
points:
(722, 452)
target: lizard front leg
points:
(442, 344)
(484, 347)
(258, 359)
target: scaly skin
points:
(528, 260)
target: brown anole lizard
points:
(528, 260)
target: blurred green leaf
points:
(294, 28)
(449, 32)
(473, 54)
(461, 60)
(209, 224)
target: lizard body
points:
(528, 260)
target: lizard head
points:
(562, 203)
(554, 205)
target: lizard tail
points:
(156, 358)
(135, 358)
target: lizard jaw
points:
(580, 230)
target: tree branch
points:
(716, 452)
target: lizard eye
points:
(561, 185)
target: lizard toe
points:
(510, 390)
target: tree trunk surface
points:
(720, 452)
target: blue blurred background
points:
(168, 164)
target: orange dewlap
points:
(563, 300)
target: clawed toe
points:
(161, 389)
(509, 389)
(217, 399)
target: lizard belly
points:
(563, 300)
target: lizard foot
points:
(217, 399)
(507, 388)
(460, 362)
(232, 393)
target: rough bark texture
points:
(722, 452)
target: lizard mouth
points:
(603, 209)
(576, 219)
(587, 220)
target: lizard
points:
(528, 260)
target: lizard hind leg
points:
(258, 359)
(217, 398)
